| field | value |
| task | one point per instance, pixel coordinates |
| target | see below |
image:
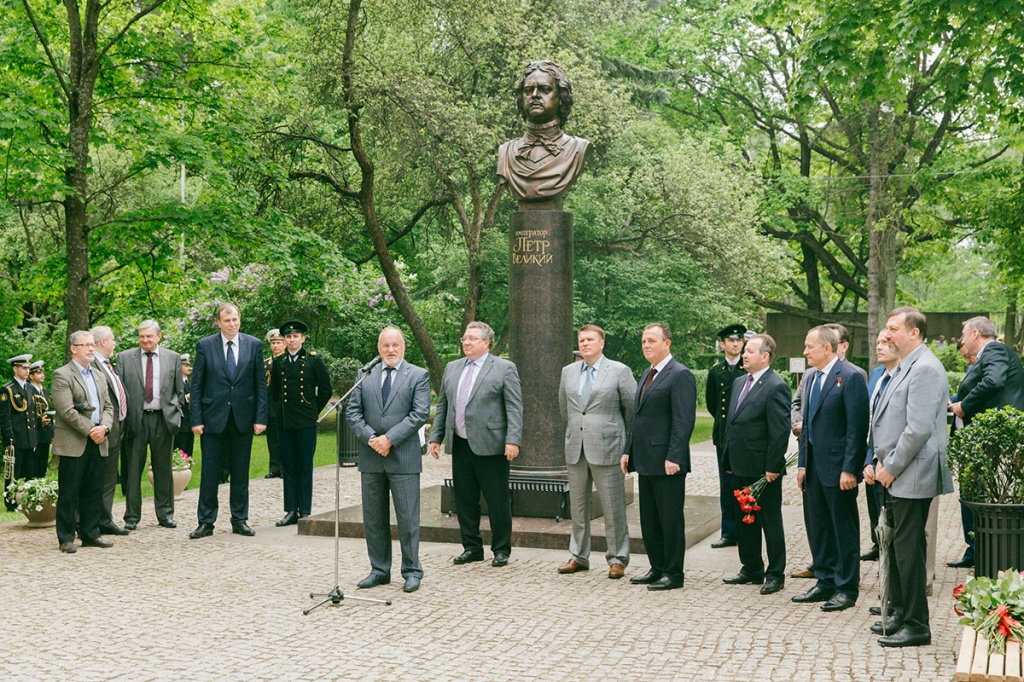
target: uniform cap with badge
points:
(274, 334)
(20, 360)
(293, 327)
(732, 331)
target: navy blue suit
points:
(833, 441)
(227, 408)
(662, 424)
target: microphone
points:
(370, 365)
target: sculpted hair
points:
(666, 333)
(101, 333)
(486, 333)
(767, 345)
(985, 326)
(591, 328)
(152, 324)
(225, 306)
(76, 337)
(565, 99)
(842, 332)
(826, 335)
(913, 319)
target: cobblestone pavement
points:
(158, 606)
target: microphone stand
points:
(336, 596)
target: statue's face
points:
(540, 98)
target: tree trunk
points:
(1010, 333)
(882, 240)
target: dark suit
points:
(41, 455)
(273, 425)
(716, 396)
(400, 419)
(494, 417)
(833, 441)
(663, 419)
(227, 407)
(151, 430)
(114, 440)
(756, 436)
(185, 440)
(995, 380)
(18, 426)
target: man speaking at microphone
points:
(386, 412)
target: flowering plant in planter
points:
(994, 608)
(180, 459)
(35, 493)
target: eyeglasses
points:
(85, 345)
(470, 339)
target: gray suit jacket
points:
(407, 409)
(171, 390)
(72, 427)
(494, 411)
(601, 425)
(909, 427)
(117, 427)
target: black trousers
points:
(232, 448)
(767, 523)
(834, 534)
(908, 574)
(297, 449)
(473, 474)
(274, 446)
(662, 522)
(80, 486)
(726, 499)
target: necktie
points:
(463, 397)
(385, 390)
(231, 361)
(812, 402)
(122, 401)
(149, 377)
(650, 378)
(588, 384)
(746, 389)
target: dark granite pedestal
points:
(703, 518)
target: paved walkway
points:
(159, 606)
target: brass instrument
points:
(9, 462)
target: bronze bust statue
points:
(539, 167)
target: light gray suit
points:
(151, 431)
(595, 438)
(908, 432)
(400, 419)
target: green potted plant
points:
(36, 498)
(988, 459)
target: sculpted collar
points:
(544, 135)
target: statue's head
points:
(543, 93)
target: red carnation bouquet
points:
(994, 608)
(747, 497)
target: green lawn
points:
(326, 448)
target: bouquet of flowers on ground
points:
(747, 497)
(180, 459)
(994, 608)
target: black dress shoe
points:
(870, 555)
(68, 547)
(743, 579)
(130, 525)
(203, 530)
(97, 542)
(112, 529)
(647, 578)
(963, 563)
(666, 583)
(875, 610)
(289, 519)
(908, 637)
(723, 542)
(838, 602)
(500, 559)
(468, 557)
(893, 624)
(168, 523)
(412, 583)
(242, 528)
(814, 594)
(373, 580)
(771, 586)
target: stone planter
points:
(181, 478)
(44, 518)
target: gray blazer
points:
(407, 409)
(494, 411)
(71, 432)
(909, 427)
(171, 390)
(601, 425)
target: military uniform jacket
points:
(42, 399)
(718, 392)
(302, 386)
(18, 420)
(273, 404)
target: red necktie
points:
(650, 378)
(149, 377)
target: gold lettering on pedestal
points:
(531, 247)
